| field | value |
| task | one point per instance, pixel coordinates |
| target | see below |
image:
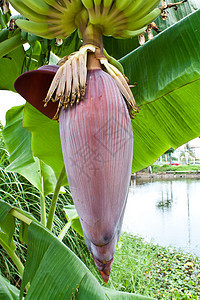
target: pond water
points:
(166, 212)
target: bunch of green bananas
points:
(122, 18)
(59, 18)
(48, 18)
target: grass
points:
(17, 191)
(138, 267)
(159, 272)
(164, 168)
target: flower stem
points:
(11, 44)
(42, 209)
(54, 199)
(13, 256)
(20, 216)
(92, 35)
(64, 230)
(42, 200)
(15, 260)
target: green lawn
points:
(181, 168)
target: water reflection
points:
(165, 203)
(167, 211)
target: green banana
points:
(67, 4)
(127, 34)
(134, 7)
(40, 29)
(97, 2)
(57, 31)
(81, 18)
(134, 25)
(147, 8)
(121, 5)
(64, 2)
(110, 27)
(59, 5)
(67, 23)
(27, 12)
(75, 6)
(69, 15)
(106, 6)
(38, 6)
(107, 3)
(106, 20)
(115, 13)
(97, 8)
(110, 22)
(51, 2)
(88, 4)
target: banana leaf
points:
(53, 270)
(56, 273)
(11, 66)
(73, 219)
(167, 71)
(7, 290)
(45, 138)
(18, 143)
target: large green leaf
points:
(5, 208)
(73, 218)
(112, 294)
(174, 16)
(7, 222)
(17, 140)
(167, 71)
(55, 272)
(11, 66)
(18, 143)
(40, 175)
(6, 243)
(8, 291)
(45, 138)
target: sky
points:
(7, 100)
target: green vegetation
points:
(160, 272)
(16, 190)
(180, 168)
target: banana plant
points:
(162, 100)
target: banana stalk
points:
(11, 44)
